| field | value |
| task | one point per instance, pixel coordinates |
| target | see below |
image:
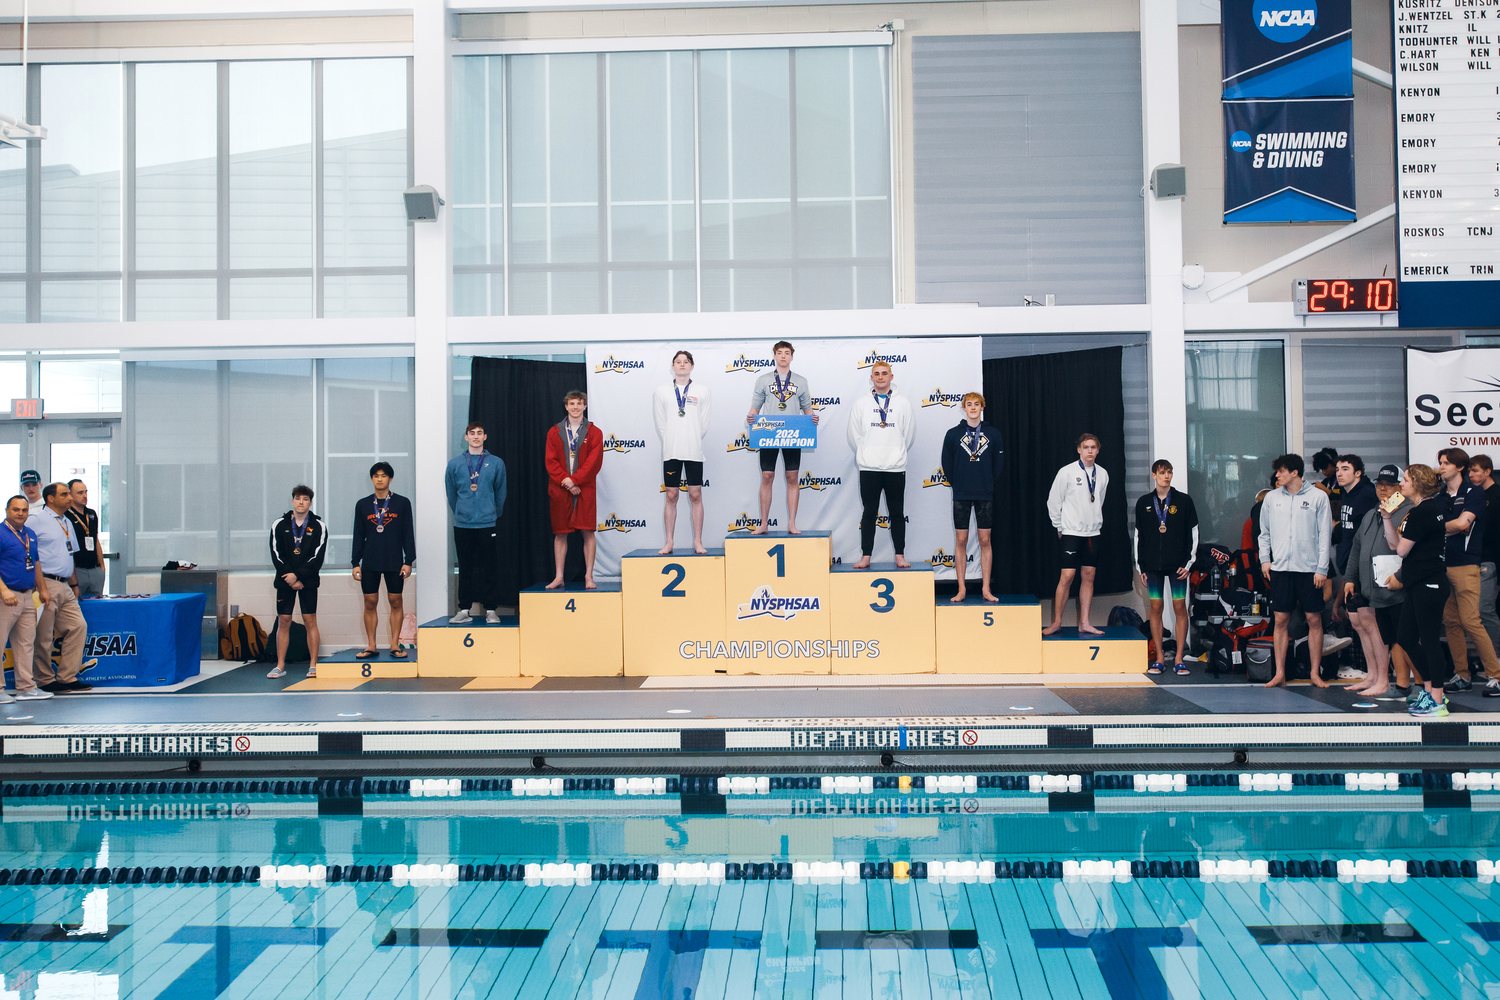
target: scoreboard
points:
(1446, 89)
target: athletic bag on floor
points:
(296, 647)
(1130, 617)
(1260, 660)
(241, 639)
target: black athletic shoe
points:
(74, 687)
(1492, 689)
(56, 687)
(1457, 683)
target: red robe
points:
(570, 513)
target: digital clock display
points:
(1312, 296)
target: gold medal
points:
(780, 406)
(882, 423)
(296, 550)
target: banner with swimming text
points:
(933, 373)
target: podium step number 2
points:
(674, 612)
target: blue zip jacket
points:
(475, 508)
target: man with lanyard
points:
(780, 391)
(475, 482)
(88, 562)
(384, 546)
(61, 618)
(299, 540)
(1481, 474)
(681, 414)
(31, 487)
(20, 576)
(973, 460)
(1464, 555)
(574, 453)
(1076, 505)
(1166, 536)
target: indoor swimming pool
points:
(1115, 886)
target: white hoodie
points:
(876, 448)
(1068, 502)
(681, 437)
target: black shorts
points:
(768, 459)
(1387, 620)
(1289, 591)
(369, 581)
(1079, 551)
(286, 596)
(675, 470)
(984, 513)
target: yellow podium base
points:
(572, 632)
(977, 637)
(889, 610)
(674, 611)
(1120, 650)
(776, 604)
(473, 650)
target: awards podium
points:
(766, 604)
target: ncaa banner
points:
(1452, 401)
(1286, 48)
(1289, 161)
(933, 373)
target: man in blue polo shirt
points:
(20, 576)
(56, 543)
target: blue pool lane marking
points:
(1124, 956)
(465, 937)
(231, 952)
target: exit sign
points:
(26, 409)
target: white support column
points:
(1162, 144)
(431, 73)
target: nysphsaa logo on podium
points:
(617, 365)
(622, 445)
(616, 523)
(937, 397)
(938, 478)
(869, 360)
(765, 604)
(751, 365)
(808, 481)
(742, 443)
(747, 524)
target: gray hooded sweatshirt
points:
(1369, 542)
(1295, 530)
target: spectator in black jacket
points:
(1355, 498)
(298, 544)
(385, 545)
(973, 458)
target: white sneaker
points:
(35, 694)
(1332, 644)
(492, 618)
(5, 699)
(312, 672)
(462, 618)
(276, 672)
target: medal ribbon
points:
(380, 510)
(681, 396)
(1161, 506)
(1091, 477)
(882, 409)
(782, 392)
(297, 536)
(474, 470)
(973, 437)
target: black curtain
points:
(517, 402)
(1040, 404)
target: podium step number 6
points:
(678, 574)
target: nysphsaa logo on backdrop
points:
(681, 488)
(618, 365)
(938, 478)
(623, 445)
(742, 443)
(808, 481)
(614, 522)
(747, 524)
(884, 521)
(941, 558)
(1285, 20)
(873, 356)
(821, 402)
(937, 397)
(752, 365)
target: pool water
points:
(431, 917)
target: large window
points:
(1236, 424)
(671, 181)
(208, 190)
(207, 490)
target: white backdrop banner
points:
(933, 373)
(1452, 401)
